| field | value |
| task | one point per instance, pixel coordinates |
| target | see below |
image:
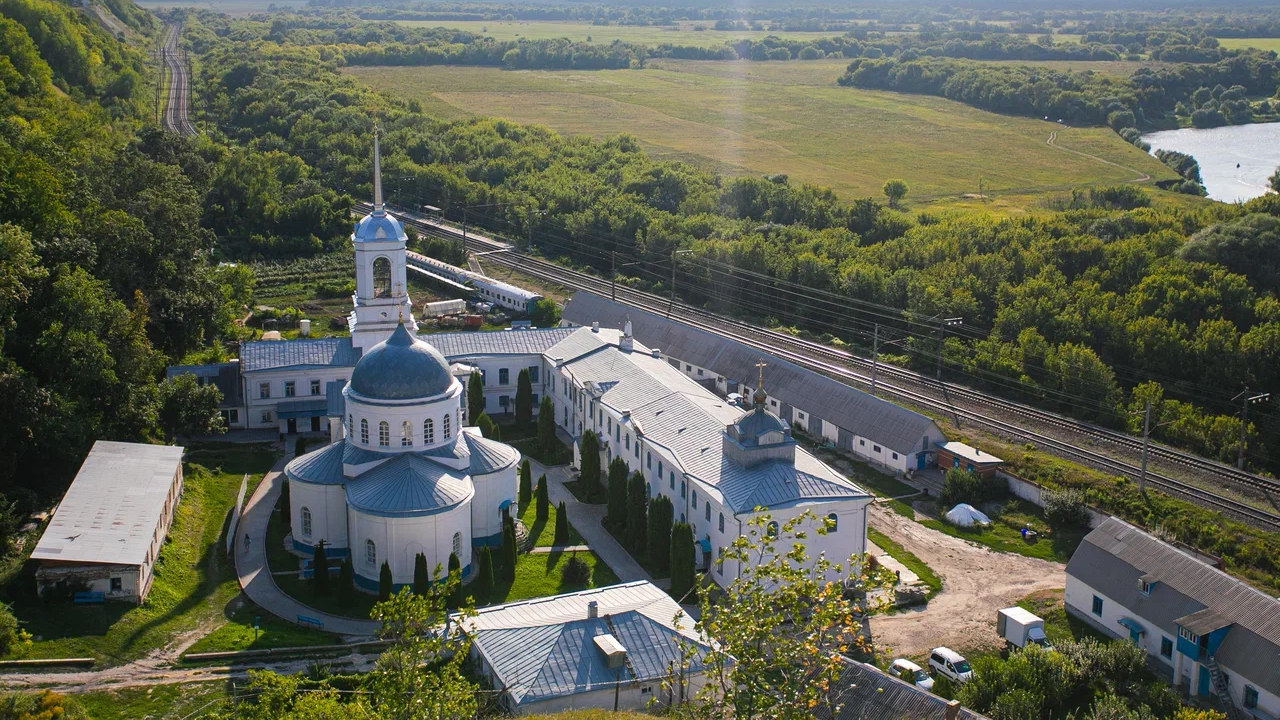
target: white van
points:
(907, 671)
(950, 664)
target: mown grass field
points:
(1259, 43)
(752, 118)
(682, 33)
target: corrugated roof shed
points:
(832, 401)
(865, 693)
(1114, 555)
(278, 354)
(113, 506)
(543, 648)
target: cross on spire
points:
(760, 366)
(377, 172)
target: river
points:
(1254, 148)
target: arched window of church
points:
(833, 523)
(457, 545)
(772, 529)
(384, 434)
(364, 431)
(370, 553)
(382, 277)
(306, 522)
(444, 427)
(406, 434)
(428, 431)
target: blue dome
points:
(756, 424)
(401, 367)
(379, 227)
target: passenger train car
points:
(486, 288)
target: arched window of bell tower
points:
(382, 278)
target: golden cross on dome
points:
(396, 294)
(760, 366)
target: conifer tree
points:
(475, 398)
(526, 483)
(589, 477)
(455, 572)
(385, 584)
(286, 519)
(347, 582)
(421, 575)
(547, 441)
(543, 499)
(661, 515)
(509, 550)
(484, 578)
(562, 526)
(488, 427)
(637, 516)
(683, 573)
(617, 512)
(320, 570)
(524, 399)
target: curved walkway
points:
(254, 575)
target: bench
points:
(310, 622)
(89, 597)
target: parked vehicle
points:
(950, 664)
(1021, 627)
(907, 671)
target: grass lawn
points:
(1003, 534)
(1260, 43)
(544, 532)
(194, 580)
(682, 33)
(1058, 625)
(156, 702)
(538, 575)
(753, 118)
(238, 634)
(530, 448)
(904, 556)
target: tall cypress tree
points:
(421, 575)
(484, 578)
(637, 520)
(562, 526)
(589, 477)
(509, 550)
(661, 514)
(543, 499)
(475, 398)
(347, 582)
(488, 427)
(455, 572)
(524, 399)
(286, 517)
(526, 484)
(384, 583)
(683, 573)
(617, 512)
(320, 570)
(547, 441)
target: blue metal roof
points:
(317, 352)
(335, 401)
(380, 226)
(321, 467)
(757, 423)
(556, 660)
(408, 486)
(302, 409)
(401, 368)
(488, 456)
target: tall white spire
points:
(377, 174)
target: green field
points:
(228, 7)
(1259, 43)
(682, 33)
(752, 118)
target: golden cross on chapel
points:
(760, 366)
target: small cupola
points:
(759, 435)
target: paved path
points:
(586, 520)
(251, 563)
(544, 550)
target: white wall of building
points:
(399, 540)
(414, 412)
(328, 506)
(275, 380)
(492, 490)
(495, 390)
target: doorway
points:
(293, 426)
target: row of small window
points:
(874, 448)
(406, 431)
(290, 389)
(504, 376)
(507, 401)
(370, 547)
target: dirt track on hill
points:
(976, 582)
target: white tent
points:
(966, 515)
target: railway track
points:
(175, 111)
(942, 397)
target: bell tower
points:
(381, 301)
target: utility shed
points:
(107, 531)
(966, 457)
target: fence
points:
(235, 514)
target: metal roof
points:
(111, 511)
(1116, 554)
(489, 456)
(502, 342)
(968, 452)
(319, 467)
(408, 486)
(402, 367)
(335, 401)
(279, 354)
(544, 648)
(313, 407)
(225, 376)
(863, 692)
(832, 401)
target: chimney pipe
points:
(593, 610)
(595, 326)
(953, 710)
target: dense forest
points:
(1074, 308)
(105, 270)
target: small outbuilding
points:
(604, 648)
(966, 515)
(106, 534)
(959, 455)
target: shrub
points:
(1066, 509)
(12, 637)
(300, 446)
(575, 572)
(962, 486)
(1017, 704)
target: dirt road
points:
(976, 583)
